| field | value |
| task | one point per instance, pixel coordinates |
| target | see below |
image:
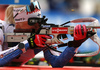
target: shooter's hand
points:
(80, 35)
(80, 32)
(38, 40)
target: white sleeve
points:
(1, 39)
(5, 25)
(5, 52)
(7, 28)
(0, 48)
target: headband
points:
(23, 16)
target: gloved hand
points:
(80, 35)
(38, 40)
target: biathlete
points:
(18, 55)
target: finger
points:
(80, 30)
(43, 42)
(44, 39)
(77, 30)
(46, 36)
(90, 33)
(85, 31)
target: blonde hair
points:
(9, 13)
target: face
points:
(21, 20)
(24, 25)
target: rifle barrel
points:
(97, 27)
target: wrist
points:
(74, 44)
(31, 41)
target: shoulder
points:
(8, 28)
(3, 23)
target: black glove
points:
(77, 43)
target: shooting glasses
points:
(29, 8)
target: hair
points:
(9, 13)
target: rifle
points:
(49, 29)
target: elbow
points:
(57, 64)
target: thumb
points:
(90, 34)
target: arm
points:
(12, 53)
(8, 55)
(62, 59)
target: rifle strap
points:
(50, 47)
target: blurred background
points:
(61, 11)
